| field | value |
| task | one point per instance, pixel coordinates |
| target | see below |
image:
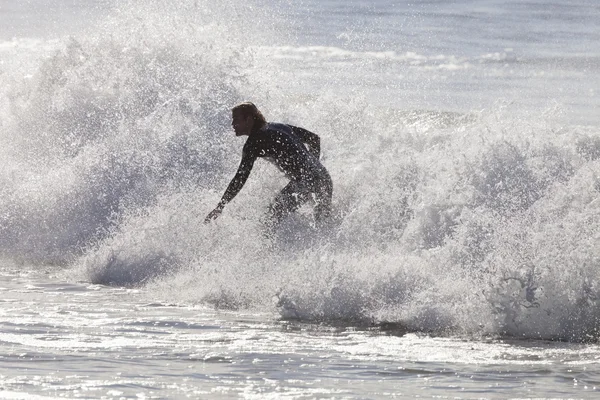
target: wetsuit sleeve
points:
(241, 176)
(311, 139)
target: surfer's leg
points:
(287, 201)
(323, 194)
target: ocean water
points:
(463, 257)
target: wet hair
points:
(249, 109)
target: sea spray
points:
(103, 124)
(118, 144)
(453, 236)
(452, 231)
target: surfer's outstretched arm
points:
(311, 139)
(236, 184)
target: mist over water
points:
(116, 144)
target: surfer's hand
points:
(213, 215)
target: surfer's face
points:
(242, 124)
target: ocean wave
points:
(102, 124)
(463, 228)
(324, 54)
(116, 146)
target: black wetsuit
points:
(284, 145)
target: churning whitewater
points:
(117, 143)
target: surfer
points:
(294, 150)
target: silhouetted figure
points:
(284, 145)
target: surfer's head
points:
(246, 118)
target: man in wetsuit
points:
(285, 146)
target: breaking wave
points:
(116, 144)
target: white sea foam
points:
(117, 144)
(323, 54)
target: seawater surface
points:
(462, 259)
(80, 340)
